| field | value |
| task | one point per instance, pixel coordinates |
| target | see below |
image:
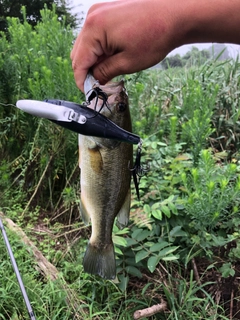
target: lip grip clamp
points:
(89, 122)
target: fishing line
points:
(15, 268)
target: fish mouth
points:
(91, 84)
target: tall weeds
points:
(36, 157)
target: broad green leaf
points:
(147, 208)
(120, 231)
(143, 235)
(141, 255)
(166, 211)
(131, 242)
(130, 261)
(162, 144)
(118, 264)
(158, 246)
(180, 206)
(182, 157)
(157, 214)
(118, 251)
(227, 270)
(154, 144)
(170, 199)
(155, 206)
(167, 251)
(170, 258)
(120, 241)
(136, 232)
(123, 282)
(134, 271)
(148, 244)
(220, 241)
(152, 263)
(138, 248)
(173, 208)
(177, 232)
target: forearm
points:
(209, 21)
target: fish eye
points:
(121, 106)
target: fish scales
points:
(105, 181)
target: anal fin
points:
(84, 213)
(123, 214)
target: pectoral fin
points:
(84, 213)
(123, 215)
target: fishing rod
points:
(15, 267)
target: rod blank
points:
(15, 267)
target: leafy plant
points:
(40, 66)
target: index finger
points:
(81, 65)
(85, 53)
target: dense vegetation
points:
(182, 244)
(12, 8)
(196, 57)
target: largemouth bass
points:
(105, 180)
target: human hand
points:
(122, 37)
(126, 36)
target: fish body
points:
(105, 181)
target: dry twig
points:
(38, 185)
(231, 305)
(195, 271)
(148, 312)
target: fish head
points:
(116, 108)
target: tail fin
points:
(100, 261)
